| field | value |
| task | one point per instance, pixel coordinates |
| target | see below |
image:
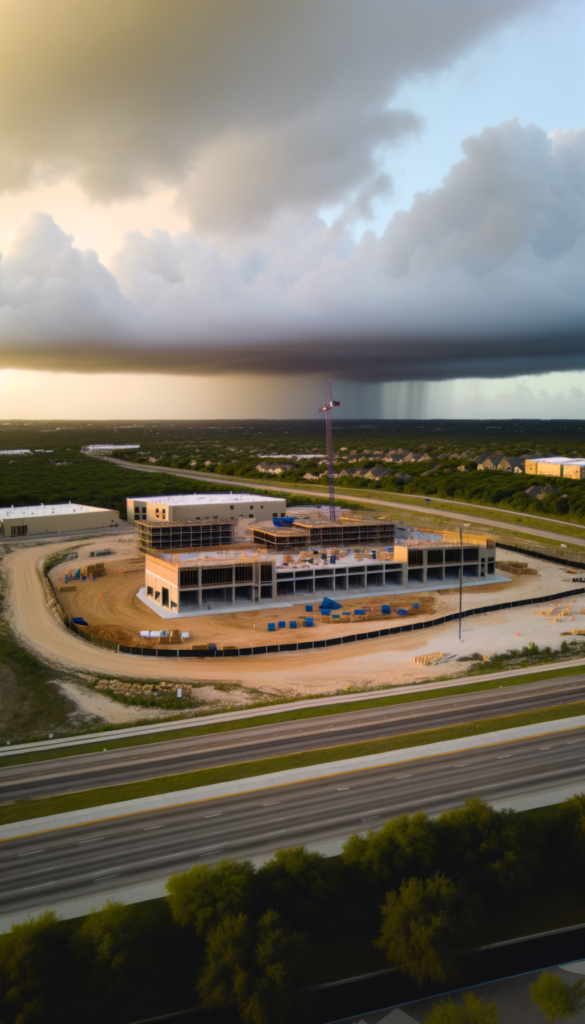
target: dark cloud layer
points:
(247, 107)
(481, 277)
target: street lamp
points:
(461, 529)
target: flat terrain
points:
(382, 662)
(114, 767)
(52, 866)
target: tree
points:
(296, 883)
(202, 896)
(259, 965)
(473, 1011)
(404, 846)
(487, 849)
(429, 928)
(111, 942)
(573, 814)
(31, 963)
(558, 998)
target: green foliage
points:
(30, 957)
(471, 1011)
(403, 846)
(111, 944)
(259, 965)
(573, 819)
(205, 894)
(429, 928)
(490, 850)
(557, 998)
(297, 883)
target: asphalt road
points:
(379, 502)
(101, 857)
(110, 768)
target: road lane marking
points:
(40, 886)
(271, 803)
(502, 756)
(31, 854)
(463, 764)
(97, 838)
(403, 776)
(216, 814)
(151, 827)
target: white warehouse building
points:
(191, 508)
(26, 520)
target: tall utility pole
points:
(329, 405)
(461, 529)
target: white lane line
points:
(40, 886)
(97, 838)
(403, 776)
(342, 789)
(31, 854)
(462, 764)
(501, 757)
(217, 814)
(545, 748)
(271, 803)
(151, 827)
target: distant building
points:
(181, 522)
(30, 520)
(557, 465)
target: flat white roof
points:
(107, 447)
(560, 460)
(205, 499)
(16, 451)
(28, 511)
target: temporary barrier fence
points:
(305, 645)
(372, 634)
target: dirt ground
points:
(382, 662)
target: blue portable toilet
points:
(309, 622)
(271, 627)
(308, 607)
(293, 624)
(66, 577)
(282, 625)
(373, 554)
(333, 559)
(386, 609)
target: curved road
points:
(378, 502)
(130, 764)
(52, 866)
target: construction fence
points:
(306, 645)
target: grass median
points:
(108, 742)
(24, 809)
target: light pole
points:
(461, 529)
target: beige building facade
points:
(31, 520)
(570, 469)
(197, 508)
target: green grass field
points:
(24, 809)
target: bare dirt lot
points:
(382, 662)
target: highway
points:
(169, 757)
(53, 866)
(379, 502)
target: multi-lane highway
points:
(130, 764)
(52, 866)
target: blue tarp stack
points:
(327, 604)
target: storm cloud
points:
(247, 107)
(482, 277)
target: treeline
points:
(248, 944)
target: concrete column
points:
(200, 597)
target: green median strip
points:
(22, 810)
(105, 742)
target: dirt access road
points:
(382, 662)
(467, 517)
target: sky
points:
(208, 209)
